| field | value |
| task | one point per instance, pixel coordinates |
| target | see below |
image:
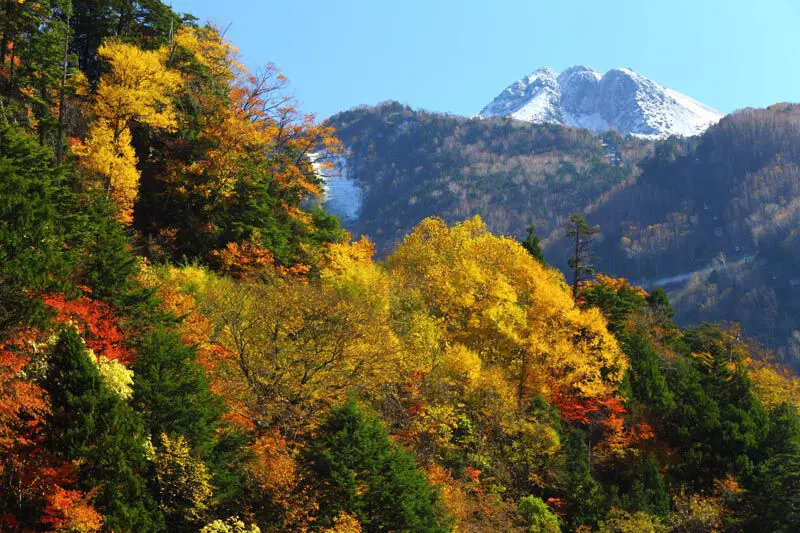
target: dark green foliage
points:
(363, 473)
(783, 435)
(649, 492)
(172, 391)
(36, 210)
(586, 503)
(93, 426)
(531, 244)
(110, 264)
(776, 506)
(616, 304)
(659, 304)
(717, 426)
(326, 228)
(648, 383)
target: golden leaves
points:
(113, 158)
(498, 302)
(138, 88)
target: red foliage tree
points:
(97, 323)
(33, 480)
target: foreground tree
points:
(300, 345)
(37, 211)
(364, 474)
(93, 427)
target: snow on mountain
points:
(619, 100)
(341, 194)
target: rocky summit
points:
(619, 100)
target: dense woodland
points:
(187, 344)
(725, 206)
(414, 164)
(722, 206)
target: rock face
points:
(620, 100)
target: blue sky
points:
(456, 55)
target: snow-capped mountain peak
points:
(620, 100)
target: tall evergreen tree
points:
(93, 427)
(581, 235)
(365, 474)
(586, 501)
(110, 263)
(174, 395)
(531, 243)
(37, 213)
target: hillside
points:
(725, 206)
(189, 344)
(412, 164)
(711, 218)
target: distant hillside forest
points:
(712, 219)
(189, 344)
(413, 164)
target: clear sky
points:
(456, 55)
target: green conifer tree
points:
(36, 214)
(174, 395)
(365, 474)
(532, 245)
(92, 426)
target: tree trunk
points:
(62, 90)
(576, 267)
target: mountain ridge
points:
(620, 100)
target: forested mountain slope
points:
(722, 204)
(188, 344)
(413, 164)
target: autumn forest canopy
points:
(189, 342)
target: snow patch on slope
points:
(341, 194)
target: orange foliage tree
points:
(33, 480)
(97, 323)
(244, 147)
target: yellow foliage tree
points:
(491, 297)
(300, 345)
(184, 484)
(774, 385)
(137, 89)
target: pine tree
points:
(110, 264)
(174, 395)
(364, 474)
(649, 492)
(531, 244)
(776, 505)
(93, 427)
(36, 214)
(581, 234)
(586, 501)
